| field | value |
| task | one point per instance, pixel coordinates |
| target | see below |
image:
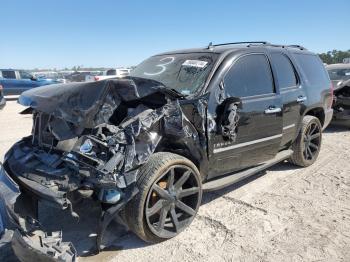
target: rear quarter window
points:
(313, 70)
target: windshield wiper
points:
(178, 93)
(173, 92)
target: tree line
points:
(335, 56)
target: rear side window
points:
(9, 74)
(313, 69)
(249, 76)
(284, 71)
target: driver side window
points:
(250, 75)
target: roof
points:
(229, 47)
(338, 66)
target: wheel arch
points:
(317, 112)
(179, 150)
(186, 150)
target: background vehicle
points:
(78, 76)
(14, 82)
(51, 76)
(340, 77)
(148, 145)
(110, 73)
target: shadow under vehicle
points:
(147, 146)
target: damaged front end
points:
(88, 140)
(29, 241)
(341, 104)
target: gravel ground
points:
(285, 214)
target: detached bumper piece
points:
(29, 242)
(39, 246)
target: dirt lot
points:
(285, 214)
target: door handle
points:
(273, 110)
(301, 99)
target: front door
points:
(259, 127)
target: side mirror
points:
(33, 78)
(230, 117)
(232, 100)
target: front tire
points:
(307, 146)
(170, 193)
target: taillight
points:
(330, 102)
(96, 78)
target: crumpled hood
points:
(93, 103)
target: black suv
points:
(147, 146)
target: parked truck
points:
(14, 82)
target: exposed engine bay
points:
(89, 140)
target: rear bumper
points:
(328, 117)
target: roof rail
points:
(239, 43)
(253, 43)
(290, 46)
(297, 46)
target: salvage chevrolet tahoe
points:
(147, 146)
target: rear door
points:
(259, 129)
(292, 94)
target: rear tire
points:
(308, 143)
(170, 193)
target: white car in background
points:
(110, 73)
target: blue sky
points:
(66, 33)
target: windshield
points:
(185, 73)
(339, 74)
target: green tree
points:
(335, 56)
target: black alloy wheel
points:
(307, 145)
(173, 201)
(312, 141)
